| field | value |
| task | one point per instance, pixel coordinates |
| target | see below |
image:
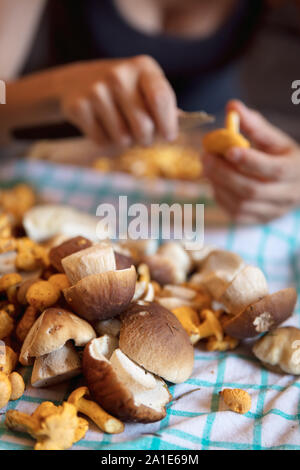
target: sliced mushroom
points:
(279, 350)
(110, 327)
(96, 259)
(102, 296)
(120, 386)
(45, 221)
(153, 337)
(219, 270)
(262, 316)
(248, 286)
(56, 367)
(51, 331)
(170, 264)
(67, 248)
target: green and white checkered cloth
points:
(199, 420)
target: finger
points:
(127, 96)
(223, 174)
(259, 165)
(80, 113)
(109, 115)
(264, 135)
(161, 102)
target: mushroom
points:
(170, 264)
(56, 367)
(96, 259)
(110, 327)
(262, 316)
(102, 296)
(279, 350)
(7, 262)
(190, 321)
(104, 421)
(219, 270)
(99, 291)
(152, 337)
(43, 222)
(221, 140)
(248, 286)
(68, 247)
(176, 296)
(137, 249)
(120, 386)
(48, 344)
(211, 326)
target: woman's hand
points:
(261, 183)
(120, 101)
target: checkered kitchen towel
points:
(199, 420)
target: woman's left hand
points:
(256, 184)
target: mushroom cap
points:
(154, 338)
(102, 296)
(263, 315)
(56, 367)
(108, 388)
(51, 331)
(96, 259)
(68, 247)
(221, 140)
(248, 286)
(279, 350)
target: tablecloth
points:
(199, 420)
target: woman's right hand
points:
(120, 101)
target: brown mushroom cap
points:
(263, 315)
(57, 253)
(152, 336)
(51, 331)
(107, 389)
(102, 296)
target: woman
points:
(125, 68)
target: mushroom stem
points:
(211, 326)
(232, 122)
(103, 420)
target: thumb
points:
(261, 132)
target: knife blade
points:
(194, 120)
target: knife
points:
(193, 120)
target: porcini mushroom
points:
(102, 296)
(170, 264)
(48, 344)
(154, 338)
(279, 350)
(96, 259)
(68, 247)
(248, 286)
(262, 316)
(120, 386)
(218, 271)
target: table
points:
(199, 420)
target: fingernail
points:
(234, 154)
